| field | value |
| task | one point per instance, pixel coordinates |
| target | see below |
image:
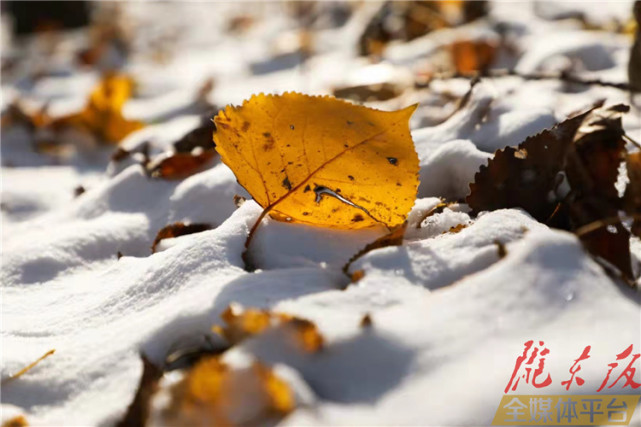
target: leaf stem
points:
(249, 265)
(563, 76)
(26, 368)
(595, 225)
(626, 136)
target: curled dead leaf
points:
(566, 177)
(192, 153)
(179, 165)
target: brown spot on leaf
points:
(287, 184)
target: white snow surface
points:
(450, 315)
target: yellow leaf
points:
(280, 394)
(111, 93)
(243, 323)
(321, 161)
(214, 393)
(102, 116)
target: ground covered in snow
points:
(449, 311)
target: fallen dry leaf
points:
(469, 56)
(101, 121)
(241, 323)
(192, 154)
(102, 117)
(321, 161)
(566, 177)
(179, 165)
(177, 229)
(526, 176)
(214, 393)
(592, 169)
(200, 137)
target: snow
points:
(450, 314)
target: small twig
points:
(637, 144)
(27, 368)
(553, 214)
(593, 226)
(249, 265)
(563, 76)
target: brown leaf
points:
(525, 177)
(592, 170)
(632, 196)
(587, 150)
(179, 165)
(469, 56)
(201, 137)
(611, 243)
(177, 229)
(597, 152)
(192, 153)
